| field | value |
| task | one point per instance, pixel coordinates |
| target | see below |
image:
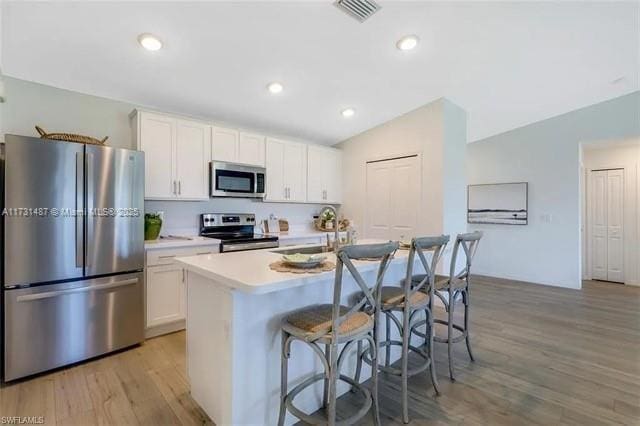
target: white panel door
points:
(607, 242)
(393, 198)
(615, 242)
(165, 295)
(251, 149)
(295, 171)
(157, 140)
(193, 151)
(224, 144)
(378, 211)
(599, 225)
(274, 162)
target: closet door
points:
(392, 213)
(607, 242)
(615, 242)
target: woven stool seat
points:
(442, 283)
(393, 297)
(314, 319)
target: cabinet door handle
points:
(284, 190)
(174, 188)
(179, 187)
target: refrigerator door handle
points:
(50, 294)
(79, 213)
(90, 208)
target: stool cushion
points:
(394, 296)
(314, 319)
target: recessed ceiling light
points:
(275, 87)
(407, 42)
(150, 42)
(349, 112)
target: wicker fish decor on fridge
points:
(70, 137)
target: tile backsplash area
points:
(181, 217)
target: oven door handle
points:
(249, 246)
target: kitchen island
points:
(235, 304)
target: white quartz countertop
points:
(249, 272)
(301, 234)
(192, 241)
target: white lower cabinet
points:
(165, 295)
(165, 291)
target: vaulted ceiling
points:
(507, 64)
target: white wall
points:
(545, 154)
(436, 131)
(618, 154)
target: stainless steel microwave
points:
(236, 180)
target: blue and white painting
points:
(501, 203)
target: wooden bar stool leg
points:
(333, 381)
(325, 393)
(466, 323)
(284, 370)
(432, 367)
(374, 371)
(387, 353)
(450, 334)
(406, 334)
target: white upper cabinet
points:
(237, 147)
(177, 154)
(251, 149)
(193, 151)
(224, 144)
(156, 135)
(286, 164)
(324, 175)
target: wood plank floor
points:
(544, 355)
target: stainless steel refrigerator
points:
(73, 252)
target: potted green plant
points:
(328, 218)
(152, 226)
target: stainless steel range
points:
(235, 232)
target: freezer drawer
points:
(54, 325)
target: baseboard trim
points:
(159, 330)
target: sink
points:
(175, 238)
(302, 250)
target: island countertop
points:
(249, 272)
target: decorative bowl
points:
(300, 260)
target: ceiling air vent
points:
(358, 9)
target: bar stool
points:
(332, 325)
(448, 290)
(420, 297)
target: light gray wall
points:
(57, 110)
(545, 154)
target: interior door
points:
(393, 198)
(599, 224)
(115, 210)
(193, 151)
(615, 241)
(607, 243)
(42, 244)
